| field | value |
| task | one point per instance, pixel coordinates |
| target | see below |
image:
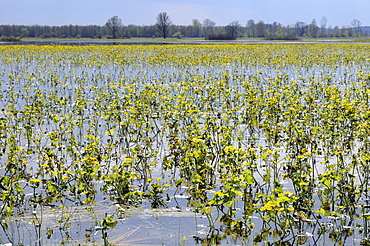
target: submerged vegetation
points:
(269, 143)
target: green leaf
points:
(238, 192)
(18, 188)
(110, 132)
(264, 156)
(323, 212)
(178, 182)
(229, 203)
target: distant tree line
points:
(165, 28)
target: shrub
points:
(282, 38)
(220, 36)
(177, 35)
(10, 38)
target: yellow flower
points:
(197, 140)
(35, 180)
(269, 205)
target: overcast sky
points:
(181, 12)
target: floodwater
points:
(175, 221)
(177, 42)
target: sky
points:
(182, 12)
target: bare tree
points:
(114, 24)
(323, 23)
(163, 24)
(208, 26)
(357, 24)
(232, 28)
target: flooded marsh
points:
(185, 145)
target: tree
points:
(250, 28)
(208, 26)
(357, 24)
(274, 28)
(196, 28)
(312, 29)
(344, 31)
(177, 35)
(259, 29)
(337, 33)
(163, 24)
(279, 32)
(232, 28)
(24, 32)
(300, 27)
(323, 23)
(114, 24)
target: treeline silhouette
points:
(252, 29)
